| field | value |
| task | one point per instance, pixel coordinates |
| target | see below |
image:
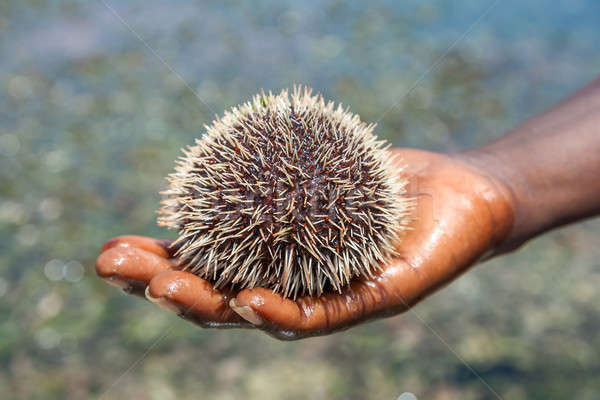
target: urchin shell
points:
(288, 193)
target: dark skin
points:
(470, 206)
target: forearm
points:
(551, 165)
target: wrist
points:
(548, 166)
(504, 198)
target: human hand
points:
(463, 213)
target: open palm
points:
(462, 215)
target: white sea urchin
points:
(288, 193)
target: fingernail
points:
(109, 244)
(246, 312)
(161, 302)
(111, 280)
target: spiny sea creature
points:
(286, 192)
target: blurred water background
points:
(91, 122)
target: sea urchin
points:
(288, 193)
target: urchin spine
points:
(292, 194)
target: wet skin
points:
(470, 206)
(461, 214)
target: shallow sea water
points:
(91, 119)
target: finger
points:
(193, 298)
(159, 247)
(130, 268)
(393, 291)
(288, 319)
(307, 316)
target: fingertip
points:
(305, 316)
(256, 297)
(192, 298)
(129, 263)
(174, 284)
(263, 305)
(106, 264)
(246, 312)
(160, 301)
(178, 291)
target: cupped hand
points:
(463, 214)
